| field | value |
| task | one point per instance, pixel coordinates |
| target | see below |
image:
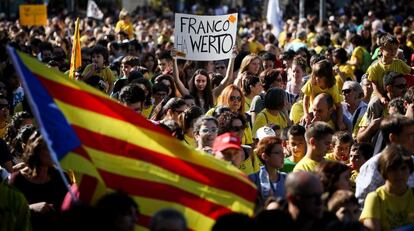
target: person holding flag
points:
(76, 57)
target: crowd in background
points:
(320, 117)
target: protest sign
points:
(33, 14)
(205, 37)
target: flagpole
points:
(36, 112)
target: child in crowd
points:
(385, 64)
(98, 67)
(296, 73)
(360, 153)
(322, 81)
(295, 146)
(341, 143)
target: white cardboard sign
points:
(205, 37)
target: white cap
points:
(264, 132)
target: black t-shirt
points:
(52, 192)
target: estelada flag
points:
(76, 56)
(103, 140)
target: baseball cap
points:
(265, 132)
(225, 141)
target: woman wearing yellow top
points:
(233, 98)
(124, 24)
(251, 87)
(392, 205)
(273, 114)
(342, 69)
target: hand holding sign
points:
(205, 37)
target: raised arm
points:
(229, 78)
(176, 75)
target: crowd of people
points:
(320, 118)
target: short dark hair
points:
(394, 124)
(390, 78)
(165, 55)
(98, 49)
(343, 137)
(301, 62)
(341, 55)
(318, 130)
(388, 39)
(131, 94)
(392, 157)
(364, 149)
(275, 99)
(297, 130)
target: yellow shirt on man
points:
(305, 164)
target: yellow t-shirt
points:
(248, 166)
(189, 141)
(147, 111)
(348, 73)
(128, 28)
(358, 54)
(377, 71)
(305, 164)
(264, 118)
(247, 104)
(255, 47)
(296, 112)
(392, 211)
(319, 49)
(313, 90)
(331, 156)
(282, 38)
(105, 73)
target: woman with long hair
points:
(200, 84)
(186, 121)
(251, 64)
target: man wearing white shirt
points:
(353, 106)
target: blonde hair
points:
(246, 62)
(123, 14)
(224, 100)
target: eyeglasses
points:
(206, 130)
(346, 91)
(400, 86)
(234, 98)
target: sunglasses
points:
(220, 67)
(234, 98)
(346, 91)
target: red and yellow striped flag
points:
(116, 149)
(76, 56)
